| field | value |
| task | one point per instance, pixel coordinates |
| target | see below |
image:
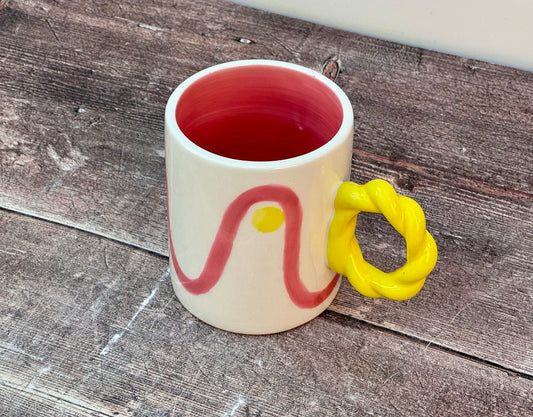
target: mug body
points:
(255, 151)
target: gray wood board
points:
(83, 88)
(91, 327)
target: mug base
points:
(247, 322)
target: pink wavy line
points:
(223, 244)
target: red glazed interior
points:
(259, 113)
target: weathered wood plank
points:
(427, 108)
(91, 327)
(100, 61)
(82, 92)
(15, 402)
(477, 301)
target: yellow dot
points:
(268, 219)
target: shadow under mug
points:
(261, 222)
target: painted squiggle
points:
(223, 244)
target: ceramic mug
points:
(261, 222)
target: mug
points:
(260, 219)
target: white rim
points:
(172, 125)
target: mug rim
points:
(172, 127)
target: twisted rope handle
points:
(405, 215)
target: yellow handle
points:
(405, 215)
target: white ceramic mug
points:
(255, 153)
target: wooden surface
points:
(89, 322)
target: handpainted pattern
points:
(223, 243)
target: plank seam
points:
(442, 348)
(73, 226)
(53, 397)
(329, 310)
(469, 184)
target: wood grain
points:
(477, 299)
(84, 81)
(60, 353)
(82, 92)
(82, 135)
